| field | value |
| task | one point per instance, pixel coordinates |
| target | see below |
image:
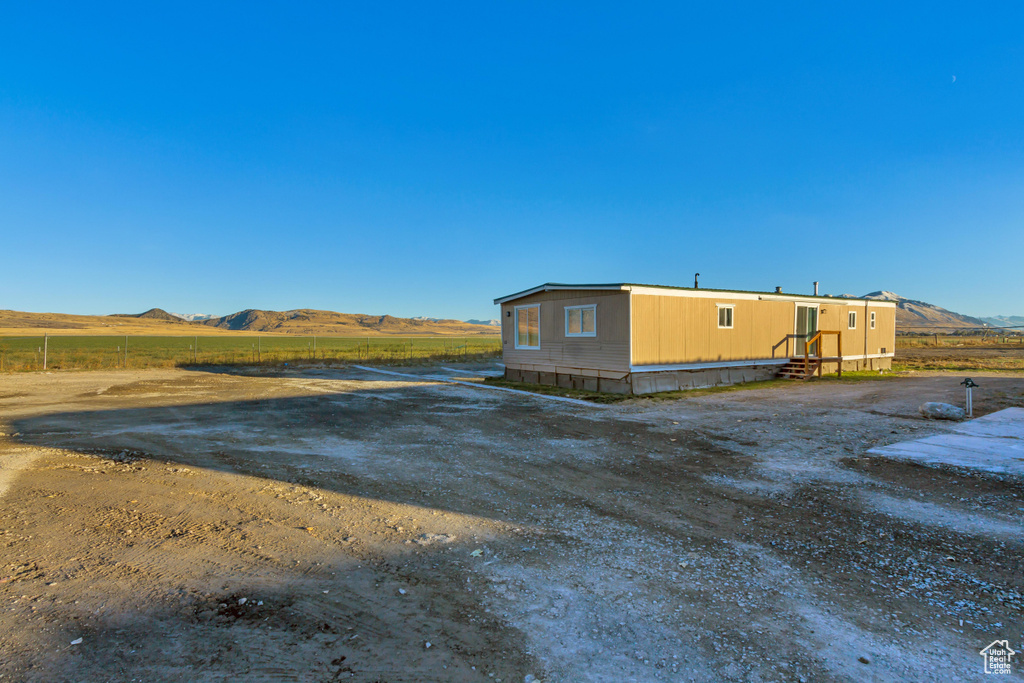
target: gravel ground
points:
(336, 524)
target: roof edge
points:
(785, 296)
(552, 286)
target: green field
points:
(25, 354)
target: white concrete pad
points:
(994, 443)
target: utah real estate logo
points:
(997, 657)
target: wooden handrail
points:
(817, 338)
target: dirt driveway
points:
(341, 525)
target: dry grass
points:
(958, 341)
(961, 364)
(979, 357)
(24, 354)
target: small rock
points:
(941, 411)
(863, 660)
(426, 645)
(476, 553)
(76, 641)
(242, 601)
(401, 591)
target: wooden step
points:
(796, 368)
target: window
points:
(724, 316)
(872, 320)
(581, 321)
(852, 320)
(527, 327)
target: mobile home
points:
(630, 338)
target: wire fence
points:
(957, 340)
(67, 352)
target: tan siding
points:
(671, 330)
(609, 350)
(646, 314)
(832, 318)
(884, 334)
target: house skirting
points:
(653, 379)
(571, 380)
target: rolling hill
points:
(153, 314)
(156, 321)
(306, 321)
(20, 323)
(920, 316)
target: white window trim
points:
(872, 316)
(854, 325)
(718, 316)
(515, 327)
(580, 334)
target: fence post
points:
(126, 351)
(46, 340)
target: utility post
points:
(969, 384)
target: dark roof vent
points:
(778, 290)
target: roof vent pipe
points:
(695, 276)
(815, 288)
(778, 290)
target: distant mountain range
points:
(911, 316)
(1006, 321)
(471, 321)
(157, 321)
(194, 317)
(919, 316)
(152, 314)
(310, 321)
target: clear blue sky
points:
(422, 159)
